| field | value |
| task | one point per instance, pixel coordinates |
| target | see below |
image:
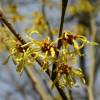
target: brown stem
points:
(61, 91)
(54, 74)
(64, 6)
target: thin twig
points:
(54, 74)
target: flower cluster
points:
(25, 55)
(66, 75)
(21, 56)
(76, 41)
(44, 49)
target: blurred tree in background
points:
(49, 49)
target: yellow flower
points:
(67, 75)
(77, 41)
